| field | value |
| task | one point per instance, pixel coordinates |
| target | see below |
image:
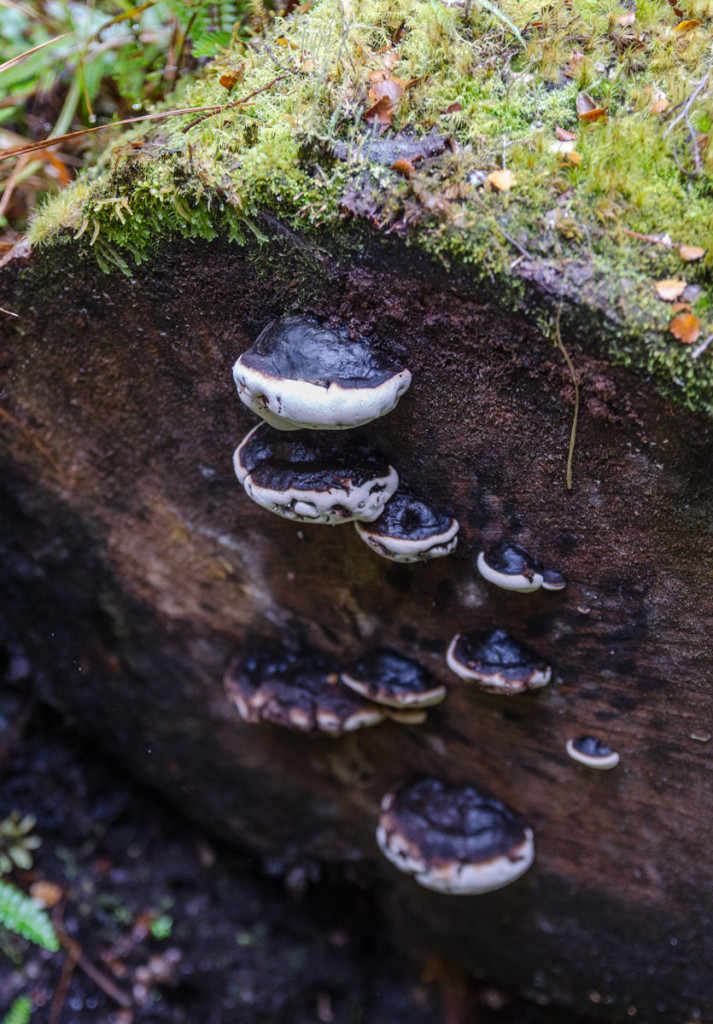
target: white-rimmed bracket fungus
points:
(300, 691)
(389, 678)
(592, 752)
(497, 663)
(452, 839)
(410, 530)
(300, 373)
(511, 567)
(314, 478)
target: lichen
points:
(297, 147)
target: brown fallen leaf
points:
(47, 893)
(686, 26)
(453, 108)
(575, 64)
(670, 289)
(627, 19)
(598, 114)
(688, 253)
(563, 135)
(678, 307)
(660, 105)
(382, 112)
(502, 181)
(403, 167)
(574, 157)
(686, 328)
(228, 81)
(584, 103)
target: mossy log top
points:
(395, 114)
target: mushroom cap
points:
(300, 373)
(590, 750)
(510, 567)
(410, 530)
(497, 662)
(389, 678)
(452, 838)
(314, 478)
(298, 691)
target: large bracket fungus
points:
(389, 678)
(314, 478)
(298, 691)
(410, 530)
(302, 374)
(497, 663)
(511, 567)
(452, 838)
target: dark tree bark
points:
(135, 568)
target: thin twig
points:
(235, 103)
(21, 56)
(570, 367)
(30, 437)
(687, 104)
(700, 349)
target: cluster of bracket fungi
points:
(311, 385)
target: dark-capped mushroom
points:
(497, 662)
(410, 530)
(511, 567)
(314, 478)
(591, 751)
(452, 838)
(298, 691)
(300, 373)
(389, 678)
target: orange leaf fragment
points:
(686, 328)
(47, 893)
(563, 135)
(678, 307)
(627, 19)
(453, 108)
(382, 112)
(660, 105)
(598, 114)
(403, 167)
(228, 81)
(691, 252)
(670, 289)
(686, 26)
(502, 181)
(574, 157)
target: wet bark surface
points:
(136, 569)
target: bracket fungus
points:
(410, 530)
(590, 751)
(300, 373)
(511, 567)
(452, 839)
(298, 691)
(389, 678)
(314, 478)
(497, 663)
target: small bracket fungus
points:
(389, 678)
(498, 664)
(512, 568)
(314, 478)
(591, 751)
(452, 838)
(301, 374)
(298, 691)
(410, 530)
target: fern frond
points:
(19, 1012)
(20, 914)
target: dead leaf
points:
(598, 114)
(382, 112)
(453, 108)
(228, 81)
(563, 135)
(574, 158)
(575, 64)
(627, 19)
(686, 328)
(384, 95)
(678, 307)
(660, 105)
(584, 103)
(391, 59)
(686, 26)
(691, 252)
(403, 167)
(502, 181)
(47, 893)
(670, 289)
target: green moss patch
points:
(592, 222)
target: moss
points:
(294, 149)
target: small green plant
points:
(21, 914)
(19, 1012)
(16, 842)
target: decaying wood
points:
(138, 568)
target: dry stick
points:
(30, 437)
(687, 104)
(21, 56)
(235, 103)
(570, 367)
(76, 958)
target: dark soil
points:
(239, 946)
